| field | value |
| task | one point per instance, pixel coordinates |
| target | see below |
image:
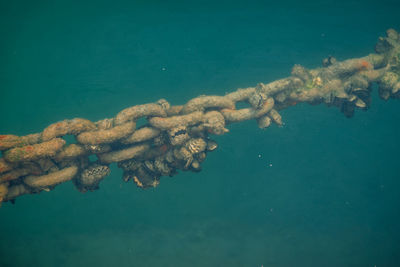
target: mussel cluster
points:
(176, 151)
(357, 94)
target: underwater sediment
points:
(179, 137)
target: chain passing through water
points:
(179, 137)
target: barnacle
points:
(178, 135)
(91, 176)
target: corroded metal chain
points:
(178, 137)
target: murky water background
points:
(323, 190)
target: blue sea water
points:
(323, 190)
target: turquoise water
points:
(322, 190)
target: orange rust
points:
(163, 148)
(7, 177)
(365, 65)
(4, 166)
(36, 172)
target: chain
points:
(178, 137)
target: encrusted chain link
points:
(178, 137)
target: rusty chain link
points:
(178, 137)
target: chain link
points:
(178, 137)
